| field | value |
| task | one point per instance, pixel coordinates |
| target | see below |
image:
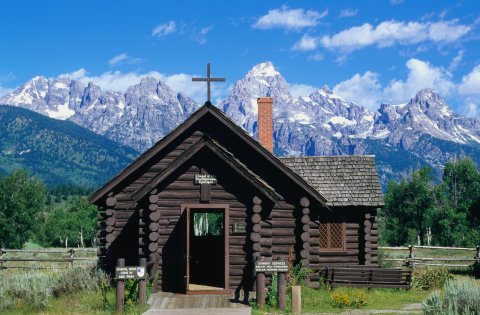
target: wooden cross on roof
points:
(208, 79)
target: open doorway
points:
(207, 248)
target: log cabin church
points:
(207, 199)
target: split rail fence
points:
(449, 257)
(47, 258)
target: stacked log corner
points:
(107, 233)
(370, 237)
(255, 235)
(306, 235)
(152, 225)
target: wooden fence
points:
(47, 258)
(453, 260)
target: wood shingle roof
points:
(343, 180)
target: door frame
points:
(226, 233)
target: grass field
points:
(316, 301)
(77, 303)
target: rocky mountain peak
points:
(148, 81)
(264, 69)
(431, 103)
(326, 89)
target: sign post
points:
(282, 287)
(142, 283)
(120, 286)
(123, 273)
(280, 267)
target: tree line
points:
(50, 217)
(420, 209)
(425, 210)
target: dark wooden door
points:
(207, 256)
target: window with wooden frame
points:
(332, 237)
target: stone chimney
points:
(265, 122)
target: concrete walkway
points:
(179, 304)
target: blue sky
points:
(366, 51)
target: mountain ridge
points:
(59, 152)
(321, 123)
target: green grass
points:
(318, 300)
(78, 303)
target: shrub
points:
(5, 301)
(340, 300)
(271, 296)
(355, 299)
(460, 297)
(297, 273)
(77, 279)
(383, 261)
(430, 278)
(104, 288)
(35, 288)
(433, 304)
(32, 288)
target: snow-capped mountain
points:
(422, 131)
(138, 117)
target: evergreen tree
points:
(21, 201)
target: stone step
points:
(201, 311)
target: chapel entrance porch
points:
(207, 249)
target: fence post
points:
(1, 258)
(281, 288)
(142, 283)
(296, 299)
(70, 258)
(476, 266)
(411, 256)
(120, 287)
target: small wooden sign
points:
(130, 272)
(205, 179)
(239, 228)
(271, 266)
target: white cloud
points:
(306, 43)
(290, 19)
(200, 36)
(110, 80)
(298, 90)
(347, 13)
(390, 33)
(470, 108)
(367, 90)
(119, 81)
(456, 61)
(316, 57)
(164, 29)
(421, 75)
(471, 83)
(361, 89)
(4, 90)
(118, 58)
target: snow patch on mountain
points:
(321, 123)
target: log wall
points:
(154, 227)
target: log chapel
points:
(208, 198)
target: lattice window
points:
(332, 236)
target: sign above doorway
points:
(202, 179)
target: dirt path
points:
(415, 308)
